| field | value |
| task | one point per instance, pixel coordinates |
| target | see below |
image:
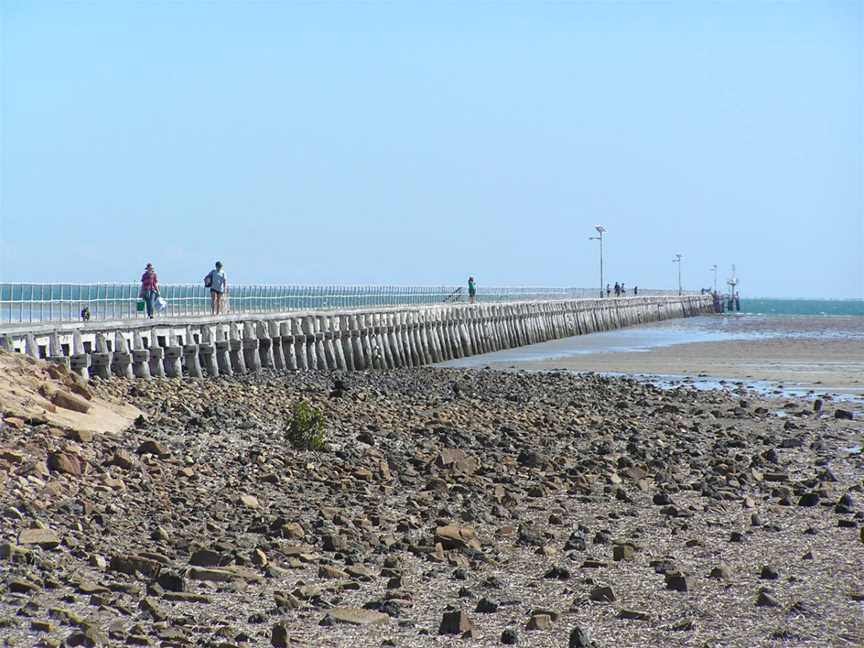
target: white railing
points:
(35, 302)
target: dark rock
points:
(580, 638)
(455, 623)
(486, 606)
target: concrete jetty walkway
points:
(351, 340)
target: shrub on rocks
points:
(306, 429)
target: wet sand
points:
(822, 354)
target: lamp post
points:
(677, 260)
(600, 229)
(714, 268)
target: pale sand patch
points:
(815, 363)
(27, 392)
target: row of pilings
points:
(349, 341)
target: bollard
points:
(207, 357)
(299, 344)
(250, 348)
(276, 345)
(141, 363)
(356, 344)
(309, 343)
(288, 346)
(156, 356)
(55, 351)
(173, 361)
(345, 341)
(238, 362)
(338, 349)
(121, 359)
(31, 348)
(320, 352)
(265, 346)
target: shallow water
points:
(677, 331)
(707, 329)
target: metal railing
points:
(34, 302)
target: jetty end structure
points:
(343, 338)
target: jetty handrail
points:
(63, 302)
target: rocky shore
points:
(464, 507)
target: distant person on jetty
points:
(472, 290)
(85, 314)
(149, 288)
(217, 282)
(635, 290)
(608, 290)
(623, 290)
(617, 290)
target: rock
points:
(456, 537)
(634, 615)
(624, 552)
(151, 606)
(455, 623)
(130, 564)
(82, 436)
(677, 581)
(150, 446)
(122, 459)
(558, 573)
(45, 538)
(69, 401)
(249, 501)
(328, 571)
(539, 622)
(765, 599)
(509, 637)
(580, 638)
(66, 462)
(334, 542)
(13, 553)
(602, 594)
(216, 575)
(720, 573)
(207, 558)
(279, 635)
(486, 606)
(357, 616)
(843, 414)
(171, 581)
(809, 499)
(768, 573)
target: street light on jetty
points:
(714, 268)
(600, 229)
(677, 260)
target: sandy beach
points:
(801, 353)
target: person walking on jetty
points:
(217, 282)
(617, 290)
(472, 290)
(608, 290)
(149, 288)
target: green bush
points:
(306, 429)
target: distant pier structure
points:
(733, 301)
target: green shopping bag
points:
(139, 305)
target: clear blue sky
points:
(420, 142)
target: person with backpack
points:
(218, 285)
(472, 290)
(149, 288)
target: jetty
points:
(348, 339)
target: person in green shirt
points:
(472, 290)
